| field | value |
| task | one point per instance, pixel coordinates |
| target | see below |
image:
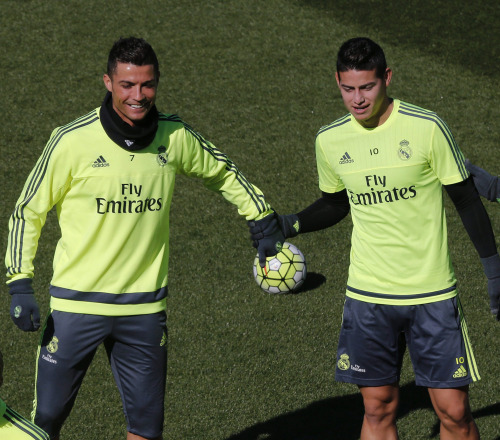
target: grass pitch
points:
(256, 78)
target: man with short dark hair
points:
(111, 173)
(386, 162)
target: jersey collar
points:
(128, 137)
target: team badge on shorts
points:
(404, 150)
(53, 345)
(343, 363)
(162, 157)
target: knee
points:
(146, 422)
(455, 417)
(50, 424)
(380, 410)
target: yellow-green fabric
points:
(113, 210)
(393, 175)
(13, 426)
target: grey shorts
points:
(136, 349)
(373, 339)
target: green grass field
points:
(256, 78)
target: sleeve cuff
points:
(21, 286)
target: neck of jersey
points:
(131, 138)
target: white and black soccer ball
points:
(285, 272)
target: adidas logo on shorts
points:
(461, 372)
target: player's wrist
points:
(289, 224)
(22, 286)
(267, 213)
(493, 189)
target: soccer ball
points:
(285, 272)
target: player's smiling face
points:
(365, 95)
(133, 90)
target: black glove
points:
(23, 306)
(491, 267)
(289, 224)
(486, 184)
(267, 237)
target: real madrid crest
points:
(404, 151)
(344, 363)
(53, 345)
(162, 157)
(163, 340)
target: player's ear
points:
(337, 77)
(107, 82)
(387, 76)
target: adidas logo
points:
(345, 159)
(461, 372)
(100, 162)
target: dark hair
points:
(132, 50)
(361, 54)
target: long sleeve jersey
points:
(113, 210)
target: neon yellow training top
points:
(393, 175)
(113, 210)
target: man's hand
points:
(23, 306)
(266, 236)
(289, 224)
(486, 184)
(491, 267)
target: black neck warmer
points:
(128, 137)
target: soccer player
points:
(14, 426)
(110, 174)
(386, 162)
